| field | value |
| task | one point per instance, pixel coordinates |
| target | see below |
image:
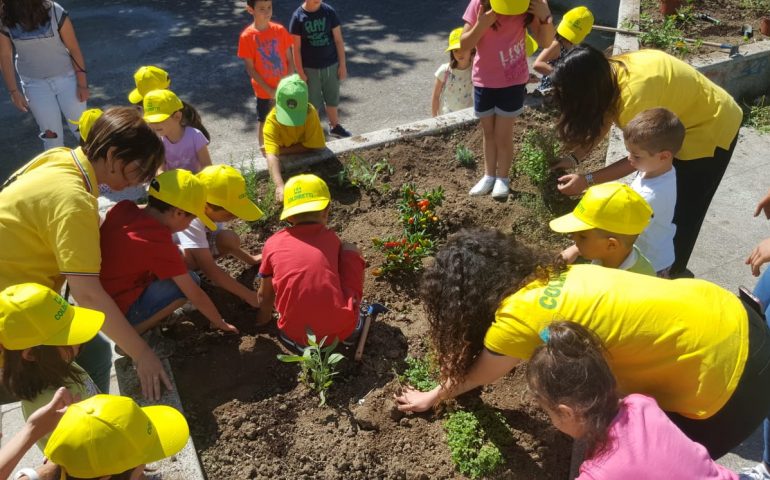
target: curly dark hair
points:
(570, 369)
(461, 291)
(26, 379)
(585, 89)
(29, 14)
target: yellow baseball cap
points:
(454, 39)
(291, 99)
(147, 79)
(226, 188)
(109, 434)
(181, 189)
(614, 207)
(304, 193)
(159, 105)
(530, 44)
(86, 121)
(576, 24)
(32, 315)
(509, 7)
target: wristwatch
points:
(589, 178)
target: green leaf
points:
(289, 358)
(335, 358)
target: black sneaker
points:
(340, 132)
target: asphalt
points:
(393, 49)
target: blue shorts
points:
(505, 102)
(264, 105)
(157, 296)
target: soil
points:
(251, 418)
(732, 14)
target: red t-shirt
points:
(136, 251)
(267, 49)
(304, 262)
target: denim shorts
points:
(157, 296)
(505, 102)
(264, 105)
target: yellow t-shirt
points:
(310, 135)
(49, 220)
(655, 79)
(683, 342)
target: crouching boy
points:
(142, 268)
(313, 280)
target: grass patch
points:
(475, 440)
(465, 156)
(421, 373)
(364, 175)
(757, 115)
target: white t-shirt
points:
(194, 236)
(657, 240)
(457, 93)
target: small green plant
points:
(758, 115)
(318, 363)
(363, 174)
(421, 373)
(266, 201)
(755, 6)
(465, 156)
(665, 35)
(539, 151)
(474, 440)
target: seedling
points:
(474, 439)
(421, 373)
(539, 151)
(318, 363)
(363, 174)
(465, 156)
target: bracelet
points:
(30, 473)
(589, 178)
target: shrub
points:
(318, 363)
(539, 151)
(465, 156)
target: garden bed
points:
(251, 418)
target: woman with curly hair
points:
(49, 63)
(694, 347)
(594, 92)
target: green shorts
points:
(323, 86)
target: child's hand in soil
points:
(572, 184)
(226, 327)
(412, 400)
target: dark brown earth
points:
(249, 416)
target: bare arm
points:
(290, 60)
(249, 64)
(541, 64)
(434, 103)
(543, 33)
(9, 74)
(203, 260)
(339, 43)
(266, 301)
(198, 297)
(70, 41)
(487, 368)
(575, 184)
(274, 167)
(298, 57)
(89, 293)
(203, 156)
(472, 33)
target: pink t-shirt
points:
(646, 445)
(501, 56)
(184, 153)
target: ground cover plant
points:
(421, 373)
(473, 438)
(250, 416)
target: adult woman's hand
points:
(759, 256)
(19, 101)
(151, 374)
(572, 184)
(412, 400)
(763, 206)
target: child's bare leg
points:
(490, 144)
(160, 315)
(331, 114)
(260, 137)
(504, 145)
(228, 243)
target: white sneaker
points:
(757, 472)
(501, 189)
(483, 187)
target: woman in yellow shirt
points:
(594, 92)
(691, 345)
(49, 230)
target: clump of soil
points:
(251, 419)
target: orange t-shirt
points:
(268, 50)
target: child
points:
(147, 79)
(319, 54)
(573, 28)
(653, 138)
(627, 437)
(142, 269)
(108, 436)
(265, 48)
(85, 122)
(453, 89)
(41, 335)
(292, 126)
(315, 281)
(605, 225)
(226, 199)
(185, 145)
(497, 29)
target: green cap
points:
(291, 101)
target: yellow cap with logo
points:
(147, 79)
(226, 188)
(32, 315)
(614, 207)
(181, 189)
(530, 44)
(86, 121)
(454, 39)
(159, 105)
(108, 434)
(576, 25)
(509, 7)
(304, 193)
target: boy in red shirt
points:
(142, 268)
(266, 50)
(314, 280)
